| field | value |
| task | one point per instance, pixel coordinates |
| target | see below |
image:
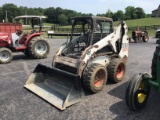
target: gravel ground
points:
(17, 103)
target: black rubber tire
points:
(158, 41)
(116, 70)
(154, 63)
(145, 37)
(10, 55)
(26, 52)
(129, 40)
(89, 77)
(32, 44)
(135, 88)
(136, 40)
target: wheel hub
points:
(120, 71)
(41, 48)
(4, 55)
(98, 79)
(141, 97)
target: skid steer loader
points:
(86, 61)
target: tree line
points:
(130, 13)
(62, 16)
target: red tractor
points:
(30, 43)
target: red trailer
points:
(10, 27)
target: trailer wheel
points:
(116, 70)
(38, 47)
(5, 55)
(95, 77)
(137, 92)
(154, 63)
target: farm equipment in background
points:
(85, 62)
(31, 44)
(139, 35)
(138, 88)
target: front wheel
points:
(95, 77)
(137, 92)
(5, 55)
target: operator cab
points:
(91, 30)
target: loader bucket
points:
(58, 87)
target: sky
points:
(88, 6)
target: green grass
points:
(142, 22)
(130, 23)
(48, 24)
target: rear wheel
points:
(38, 47)
(116, 70)
(5, 55)
(129, 40)
(137, 92)
(136, 40)
(145, 37)
(95, 77)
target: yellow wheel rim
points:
(141, 96)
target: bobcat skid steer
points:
(87, 61)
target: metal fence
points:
(61, 29)
(151, 27)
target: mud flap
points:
(58, 87)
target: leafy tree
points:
(118, 15)
(62, 19)
(102, 15)
(148, 15)
(140, 13)
(12, 11)
(50, 13)
(1, 16)
(109, 14)
(130, 13)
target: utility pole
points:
(6, 17)
(26, 18)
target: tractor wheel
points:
(137, 92)
(129, 40)
(116, 70)
(5, 55)
(38, 47)
(26, 52)
(95, 77)
(136, 40)
(145, 37)
(154, 63)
